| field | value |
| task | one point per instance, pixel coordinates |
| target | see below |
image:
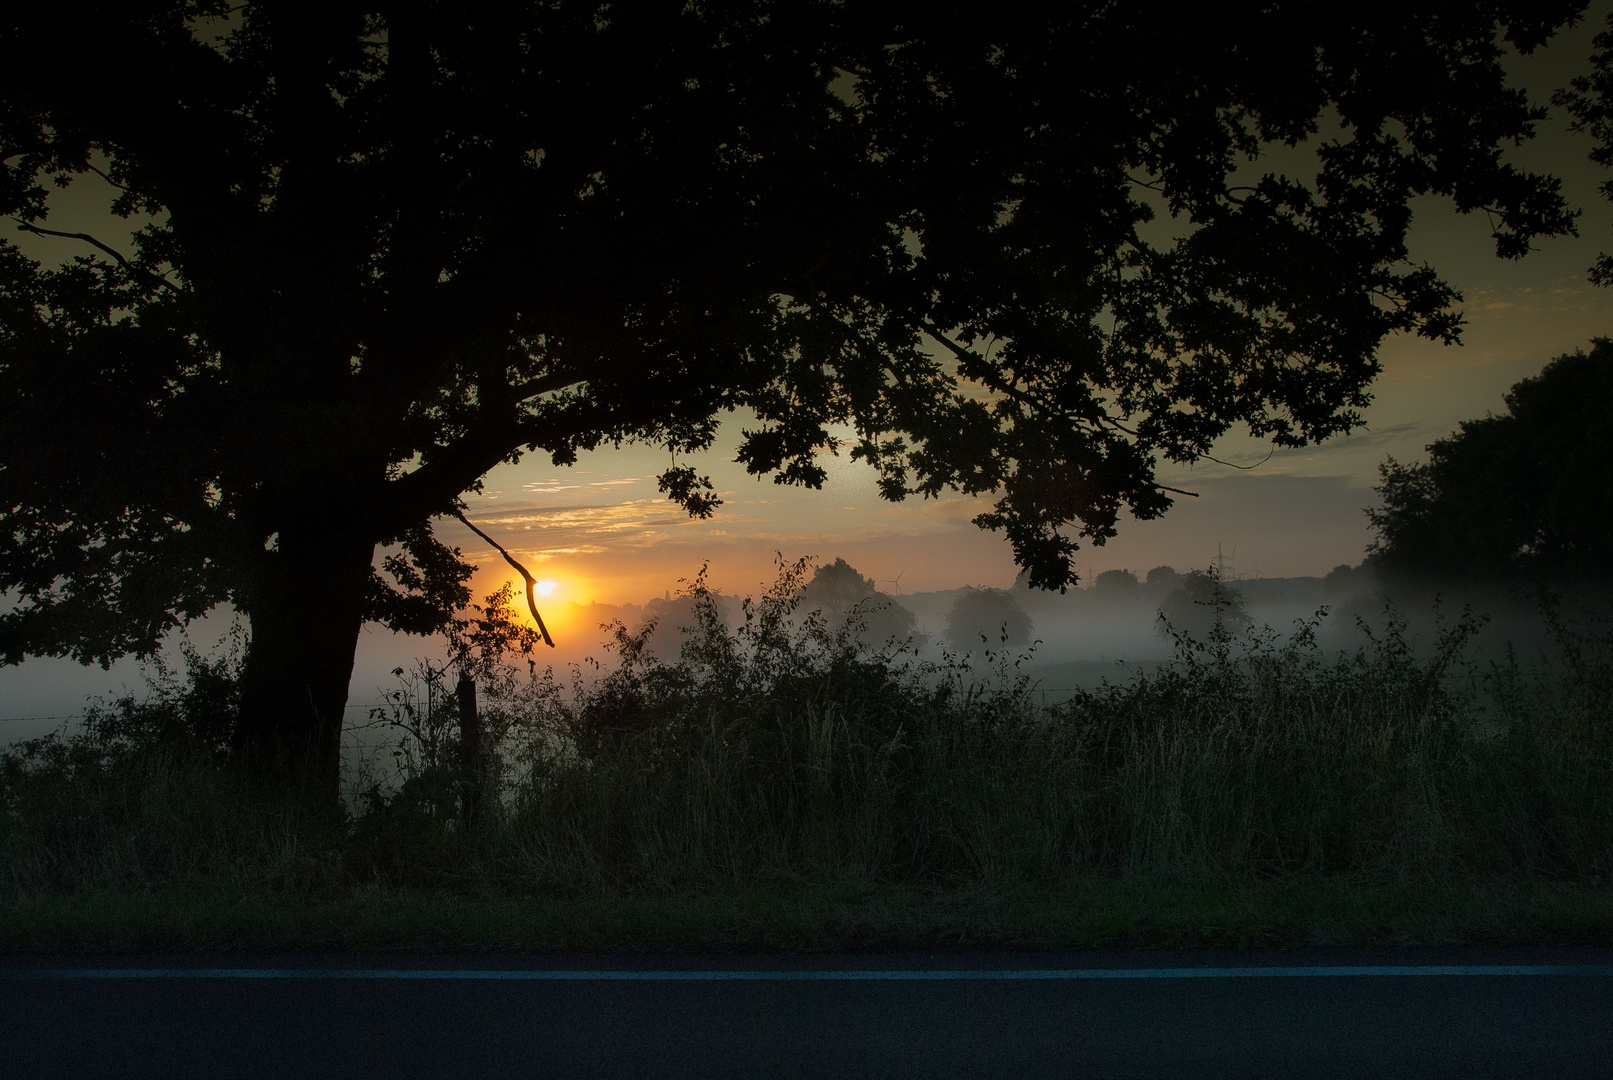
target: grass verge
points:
(1079, 913)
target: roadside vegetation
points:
(783, 785)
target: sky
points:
(600, 530)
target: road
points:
(1158, 1013)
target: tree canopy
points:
(1116, 585)
(1201, 606)
(1523, 494)
(990, 617)
(840, 594)
(1023, 251)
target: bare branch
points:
(963, 353)
(544, 384)
(105, 177)
(531, 602)
(1245, 468)
(1177, 491)
(967, 354)
(24, 226)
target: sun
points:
(545, 588)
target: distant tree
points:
(1345, 579)
(990, 614)
(1116, 585)
(1522, 494)
(1200, 603)
(675, 618)
(839, 592)
(381, 248)
(1161, 580)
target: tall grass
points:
(142, 798)
(782, 752)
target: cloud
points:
(632, 524)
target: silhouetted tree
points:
(683, 615)
(1345, 580)
(1202, 604)
(1161, 580)
(838, 591)
(1522, 494)
(1589, 101)
(1117, 586)
(383, 247)
(989, 616)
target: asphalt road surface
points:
(1383, 1013)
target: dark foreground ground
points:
(1133, 1014)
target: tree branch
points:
(23, 226)
(966, 354)
(105, 177)
(544, 384)
(531, 603)
(1234, 465)
(1091, 422)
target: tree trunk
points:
(305, 613)
(471, 755)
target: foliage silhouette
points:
(845, 598)
(669, 621)
(1203, 607)
(1515, 496)
(392, 247)
(988, 616)
(1589, 101)
(1117, 586)
(1161, 580)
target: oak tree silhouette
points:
(1517, 496)
(388, 246)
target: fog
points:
(1107, 629)
(1125, 621)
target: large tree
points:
(1025, 250)
(1517, 496)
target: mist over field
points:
(1119, 623)
(1104, 629)
(1108, 628)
